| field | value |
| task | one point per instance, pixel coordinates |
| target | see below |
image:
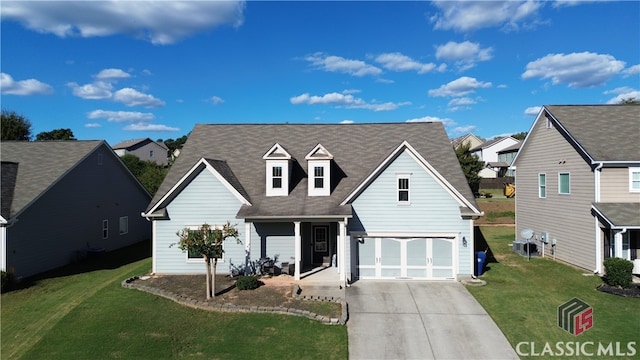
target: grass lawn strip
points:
(522, 296)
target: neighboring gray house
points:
(61, 199)
(145, 149)
(505, 160)
(383, 198)
(578, 181)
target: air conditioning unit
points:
(525, 248)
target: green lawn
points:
(88, 315)
(523, 296)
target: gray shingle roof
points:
(606, 132)
(620, 214)
(135, 143)
(357, 149)
(39, 165)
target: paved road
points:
(420, 320)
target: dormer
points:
(277, 171)
(319, 170)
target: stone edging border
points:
(131, 283)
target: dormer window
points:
(277, 171)
(319, 170)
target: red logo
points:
(575, 316)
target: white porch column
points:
(342, 250)
(618, 243)
(298, 249)
(599, 246)
(247, 245)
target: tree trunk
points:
(207, 263)
(213, 277)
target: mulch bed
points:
(634, 291)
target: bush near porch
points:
(522, 296)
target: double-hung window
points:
(124, 225)
(542, 186)
(403, 189)
(276, 179)
(318, 177)
(564, 183)
(634, 179)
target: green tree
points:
(15, 126)
(57, 134)
(148, 173)
(208, 242)
(470, 165)
(520, 136)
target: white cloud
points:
(577, 70)
(112, 74)
(94, 91)
(532, 111)
(150, 127)
(459, 87)
(632, 70)
(92, 125)
(466, 16)
(344, 100)
(160, 22)
(460, 130)
(120, 116)
(445, 121)
(399, 62)
(216, 100)
(623, 93)
(460, 103)
(464, 54)
(339, 64)
(347, 122)
(131, 97)
(23, 87)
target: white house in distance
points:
(488, 152)
(382, 199)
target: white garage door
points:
(405, 258)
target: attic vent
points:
(277, 171)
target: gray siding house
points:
(145, 149)
(381, 199)
(61, 199)
(578, 181)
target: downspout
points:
(598, 232)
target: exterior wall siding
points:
(566, 218)
(67, 220)
(614, 186)
(432, 209)
(143, 152)
(205, 200)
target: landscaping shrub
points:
(247, 282)
(618, 272)
(7, 278)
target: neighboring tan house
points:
(578, 180)
(145, 149)
(469, 139)
(383, 198)
(61, 199)
(488, 152)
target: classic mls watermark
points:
(576, 316)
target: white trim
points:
(360, 234)
(319, 152)
(3, 248)
(186, 176)
(403, 176)
(154, 247)
(270, 165)
(297, 239)
(326, 178)
(633, 170)
(424, 164)
(276, 152)
(599, 246)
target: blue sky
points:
(119, 70)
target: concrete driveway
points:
(420, 320)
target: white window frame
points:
(124, 225)
(559, 184)
(105, 229)
(318, 177)
(275, 177)
(542, 186)
(634, 170)
(198, 260)
(399, 189)
(325, 165)
(283, 190)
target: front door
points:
(320, 243)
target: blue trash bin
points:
(480, 259)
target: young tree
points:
(207, 241)
(470, 165)
(15, 126)
(57, 134)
